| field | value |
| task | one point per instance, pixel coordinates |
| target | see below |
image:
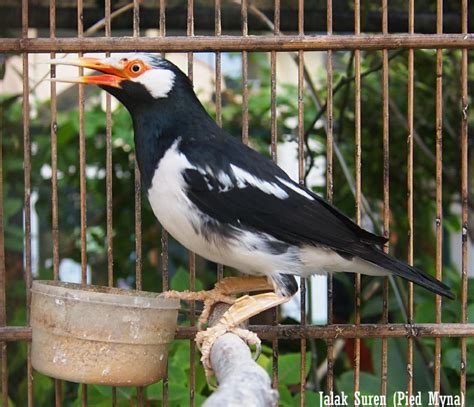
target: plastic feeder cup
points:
(101, 335)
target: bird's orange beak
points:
(112, 76)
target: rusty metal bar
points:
(358, 186)
(386, 193)
(109, 177)
(82, 173)
(439, 189)
(136, 18)
(411, 57)
(162, 18)
(192, 256)
(329, 190)
(335, 331)
(138, 200)
(245, 74)
(164, 233)
(237, 43)
(3, 307)
(218, 69)
(464, 195)
(301, 179)
(274, 155)
(27, 193)
(108, 165)
(54, 175)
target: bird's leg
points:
(242, 309)
(223, 291)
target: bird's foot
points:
(209, 299)
(205, 340)
(242, 309)
(223, 291)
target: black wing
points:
(301, 217)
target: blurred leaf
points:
(311, 398)
(285, 400)
(452, 359)
(289, 368)
(180, 281)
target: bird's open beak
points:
(112, 75)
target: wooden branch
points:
(241, 380)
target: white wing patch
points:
(158, 82)
(295, 188)
(244, 178)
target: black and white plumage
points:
(225, 201)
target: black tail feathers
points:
(409, 273)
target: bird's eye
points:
(136, 68)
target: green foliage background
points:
(259, 124)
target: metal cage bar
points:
(358, 183)
(274, 155)
(439, 189)
(464, 193)
(237, 43)
(386, 194)
(329, 189)
(411, 57)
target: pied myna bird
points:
(230, 204)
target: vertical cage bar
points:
(138, 186)
(108, 156)
(164, 233)
(357, 120)
(138, 200)
(82, 155)
(386, 194)
(218, 32)
(136, 18)
(329, 189)
(54, 151)
(411, 58)
(82, 172)
(54, 174)
(245, 75)
(162, 18)
(109, 176)
(301, 179)
(27, 193)
(274, 135)
(3, 307)
(439, 188)
(274, 155)
(464, 196)
(192, 256)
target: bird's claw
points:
(205, 340)
(209, 299)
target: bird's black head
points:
(137, 80)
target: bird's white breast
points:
(169, 201)
(183, 220)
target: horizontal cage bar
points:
(344, 331)
(238, 43)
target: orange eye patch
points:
(135, 68)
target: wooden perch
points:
(241, 380)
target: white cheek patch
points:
(158, 82)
